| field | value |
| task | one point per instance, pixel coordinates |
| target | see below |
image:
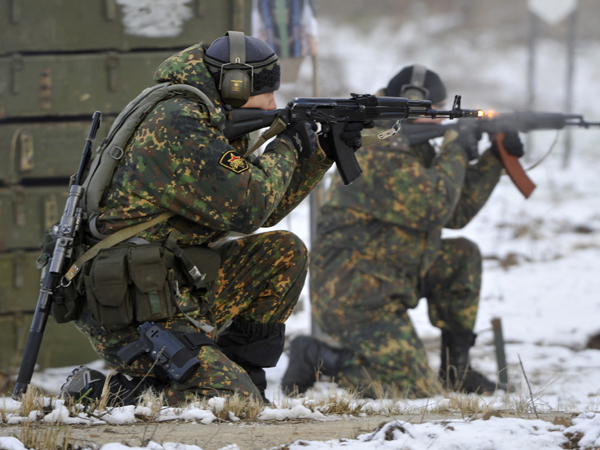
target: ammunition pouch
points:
(124, 282)
(131, 283)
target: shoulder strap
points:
(112, 240)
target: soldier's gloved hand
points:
(303, 137)
(512, 143)
(352, 135)
(468, 137)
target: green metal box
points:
(42, 151)
(26, 212)
(73, 85)
(63, 345)
(77, 25)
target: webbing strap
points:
(114, 239)
(276, 127)
(373, 138)
(179, 227)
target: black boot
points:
(85, 385)
(455, 371)
(308, 357)
(253, 346)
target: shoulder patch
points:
(234, 162)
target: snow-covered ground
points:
(542, 255)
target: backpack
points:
(110, 151)
(99, 173)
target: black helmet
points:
(251, 60)
(417, 83)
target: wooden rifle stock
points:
(514, 168)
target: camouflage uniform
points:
(177, 162)
(380, 250)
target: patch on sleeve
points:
(234, 162)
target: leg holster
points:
(253, 346)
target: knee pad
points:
(253, 344)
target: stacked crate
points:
(61, 60)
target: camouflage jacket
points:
(394, 213)
(177, 162)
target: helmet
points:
(242, 66)
(417, 83)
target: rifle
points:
(333, 114)
(498, 125)
(66, 232)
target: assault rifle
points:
(333, 114)
(66, 232)
(497, 126)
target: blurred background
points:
(61, 60)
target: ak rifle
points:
(66, 233)
(497, 125)
(333, 114)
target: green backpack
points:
(66, 298)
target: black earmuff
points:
(235, 81)
(416, 89)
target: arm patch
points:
(234, 162)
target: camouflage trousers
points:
(362, 305)
(259, 281)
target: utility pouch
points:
(150, 269)
(208, 262)
(107, 287)
(68, 300)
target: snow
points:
(548, 298)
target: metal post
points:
(315, 203)
(533, 32)
(500, 355)
(571, 42)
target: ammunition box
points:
(75, 25)
(43, 151)
(26, 212)
(73, 85)
(63, 344)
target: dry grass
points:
(31, 400)
(332, 402)
(44, 437)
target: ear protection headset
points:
(235, 81)
(416, 89)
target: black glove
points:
(352, 135)
(468, 137)
(512, 144)
(302, 136)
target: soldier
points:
(179, 161)
(379, 250)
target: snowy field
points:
(541, 269)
